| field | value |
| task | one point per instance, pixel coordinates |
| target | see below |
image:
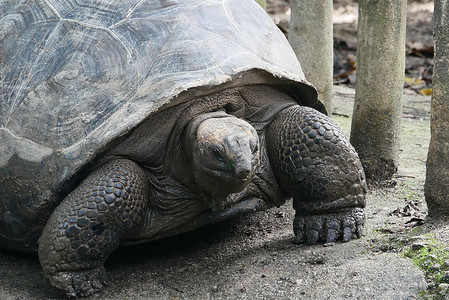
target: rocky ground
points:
(253, 257)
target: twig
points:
(340, 115)
(403, 176)
(172, 287)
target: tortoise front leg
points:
(315, 164)
(88, 225)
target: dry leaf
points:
(413, 81)
(426, 92)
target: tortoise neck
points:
(179, 160)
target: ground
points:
(253, 257)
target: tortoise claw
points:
(80, 283)
(359, 231)
(347, 234)
(331, 236)
(312, 236)
(330, 227)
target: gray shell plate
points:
(75, 75)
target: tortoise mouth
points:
(250, 191)
(218, 185)
(232, 179)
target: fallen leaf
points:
(426, 91)
(413, 81)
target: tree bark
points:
(375, 129)
(437, 175)
(311, 37)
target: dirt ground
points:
(253, 257)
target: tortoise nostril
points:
(242, 174)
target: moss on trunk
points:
(262, 3)
(375, 130)
(437, 174)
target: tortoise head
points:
(225, 154)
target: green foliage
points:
(431, 256)
(262, 3)
(408, 192)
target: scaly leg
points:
(88, 225)
(315, 164)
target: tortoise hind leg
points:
(315, 164)
(88, 224)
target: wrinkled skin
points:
(128, 121)
(225, 156)
(220, 166)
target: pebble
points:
(419, 245)
(436, 267)
(443, 287)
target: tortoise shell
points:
(76, 75)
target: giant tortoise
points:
(129, 121)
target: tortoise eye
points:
(216, 153)
(254, 146)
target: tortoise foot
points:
(81, 283)
(330, 227)
(88, 224)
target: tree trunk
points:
(437, 174)
(311, 37)
(262, 3)
(375, 129)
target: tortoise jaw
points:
(219, 198)
(217, 205)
